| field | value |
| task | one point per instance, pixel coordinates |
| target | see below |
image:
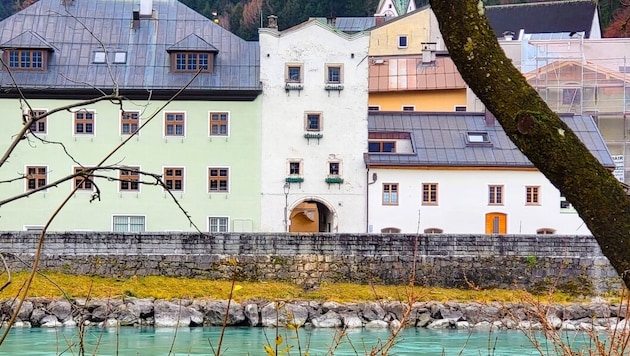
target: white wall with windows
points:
(461, 202)
(314, 130)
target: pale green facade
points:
(196, 151)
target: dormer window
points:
(191, 61)
(27, 59)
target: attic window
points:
(120, 57)
(477, 138)
(26, 59)
(99, 57)
(191, 61)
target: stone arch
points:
(312, 214)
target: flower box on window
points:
(293, 86)
(294, 179)
(334, 180)
(334, 87)
(313, 136)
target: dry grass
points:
(167, 288)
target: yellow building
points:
(409, 68)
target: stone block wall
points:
(486, 261)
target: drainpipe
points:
(367, 195)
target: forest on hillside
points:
(244, 17)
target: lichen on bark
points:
(547, 141)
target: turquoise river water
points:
(250, 341)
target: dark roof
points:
(66, 33)
(354, 24)
(543, 17)
(439, 139)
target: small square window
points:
(532, 195)
(120, 57)
(333, 168)
(402, 41)
(36, 177)
(390, 194)
(218, 179)
(129, 178)
(173, 178)
(333, 74)
(313, 122)
(40, 126)
(84, 122)
(129, 122)
(219, 123)
(293, 73)
(218, 224)
(429, 193)
(83, 182)
(495, 195)
(295, 168)
(174, 123)
(100, 57)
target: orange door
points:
(496, 223)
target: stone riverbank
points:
(54, 313)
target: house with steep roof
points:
(190, 107)
(460, 173)
(393, 8)
(572, 16)
(314, 131)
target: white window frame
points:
(129, 216)
(26, 189)
(120, 57)
(184, 123)
(74, 124)
(229, 123)
(229, 180)
(175, 166)
(219, 218)
(406, 38)
(33, 228)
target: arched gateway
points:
(313, 215)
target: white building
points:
(314, 130)
(460, 173)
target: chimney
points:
(508, 35)
(146, 8)
(379, 20)
(489, 118)
(272, 21)
(428, 52)
(135, 20)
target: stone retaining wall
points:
(574, 263)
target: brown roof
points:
(410, 73)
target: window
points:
(408, 108)
(126, 223)
(191, 61)
(333, 74)
(571, 96)
(433, 230)
(218, 224)
(402, 41)
(218, 179)
(295, 168)
(84, 123)
(334, 168)
(34, 228)
(532, 195)
(374, 108)
(390, 230)
(382, 146)
(495, 194)
(100, 57)
(83, 182)
(293, 73)
(174, 124)
(429, 193)
(219, 123)
(40, 125)
(173, 178)
(35, 177)
(120, 57)
(460, 108)
(545, 231)
(313, 121)
(477, 138)
(129, 179)
(27, 59)
(565, 205)
(129, 122)
(390, 194)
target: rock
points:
(462, 325)
(575, 311)
(553, 321)
(398, 309)
(215, 311)
(69, 324)
(109, 323)
(371, 311)
(36, 316)
(351, 321)
(25, 310)
(169, 314)
(441, 324)
(423, 319)
(394, 325)
(251, 314)
(50, 321)
(329, 320)
(376, 324)
(293, 314)
(62, 309)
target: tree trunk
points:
(536, 130)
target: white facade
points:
(296, 66)
(462, 202)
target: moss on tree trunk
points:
(535, 129)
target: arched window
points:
(545, 231)
(433, 230)
(390, 230)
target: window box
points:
(294, 179)
(293, 86)
(334, 87)
(313, 136)
(334, 180)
